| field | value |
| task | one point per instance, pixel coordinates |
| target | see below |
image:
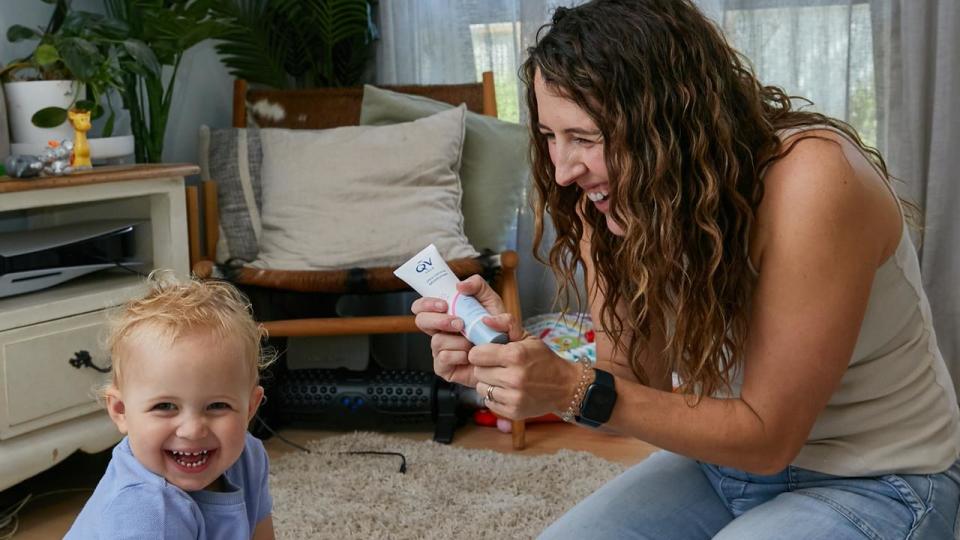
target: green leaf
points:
(96, 111)
(19, 33)
(143, 55)
(108, 124)
(49, 117)
(81, 57)
(46, 54)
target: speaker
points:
(374, 399)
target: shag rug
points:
(446, 492)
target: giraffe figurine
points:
(80, 120)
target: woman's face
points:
(576, 148)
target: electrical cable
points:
(10, 518)
(403, 459)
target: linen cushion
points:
(362, 196)
(495, 164)
(231, 157)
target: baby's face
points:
(186, 407)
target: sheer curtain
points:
(891, 68)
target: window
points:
(820, 50)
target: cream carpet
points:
(447, 492)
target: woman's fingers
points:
(448, 342)
(501, 400)
(476, 287)
(426, 303)
(505, 322)
(431, 323)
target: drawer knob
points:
(82, 359)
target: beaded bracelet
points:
(586, 376)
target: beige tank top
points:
(896, 409)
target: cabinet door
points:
(38, 385)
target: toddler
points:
(186, 360)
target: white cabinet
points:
(48, 406)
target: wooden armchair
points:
(324, 108)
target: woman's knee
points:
(665, 496)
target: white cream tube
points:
(430, 276)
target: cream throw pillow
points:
(362, 196)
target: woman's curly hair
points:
(688, 131)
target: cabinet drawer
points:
(38, 386)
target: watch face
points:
(598, 403)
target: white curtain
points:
(446, 41)
(891, 68)
(917, 44)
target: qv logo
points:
(424, 265)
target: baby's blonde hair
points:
(172, 307)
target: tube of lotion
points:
(429, 275)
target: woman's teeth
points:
(597, 196)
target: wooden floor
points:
(50, 517)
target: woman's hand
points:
(528, 379)
(448, 346)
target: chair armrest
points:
(352, 281)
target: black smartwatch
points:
(598, 400)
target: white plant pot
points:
(24, 98)
(4, 127)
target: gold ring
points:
(490, 388)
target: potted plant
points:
(296, 44)
(166, 29)
(71, 67)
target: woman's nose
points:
(568, 169)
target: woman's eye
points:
(220, 406)
(548, 136)
(164, 407)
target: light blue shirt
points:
(133, 502)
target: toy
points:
(80, 120)
(23, 166)
(56, 158)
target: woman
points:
(756, 251)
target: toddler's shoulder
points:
(153, 511)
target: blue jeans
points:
(668, 496)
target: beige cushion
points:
(362, 196)
(495, 168)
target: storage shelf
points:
(87, 293)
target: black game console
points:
(372, 399)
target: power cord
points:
(10, 518)
(403, 459)
(120, 264)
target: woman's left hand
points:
(528, 379)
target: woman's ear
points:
(256, 398)
(116, 408)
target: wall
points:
(202, 95)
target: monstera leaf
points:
(296, 43)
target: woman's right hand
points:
(447, 344)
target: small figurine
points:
(80, 120)
(23, 166)
(56, 158)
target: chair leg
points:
(519, 434)
(511, 299)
